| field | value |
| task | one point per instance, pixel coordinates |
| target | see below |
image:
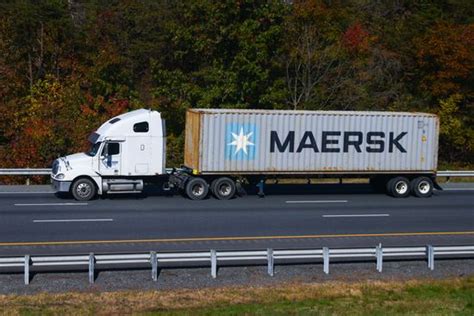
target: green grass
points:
(445, 297)
(420, 299)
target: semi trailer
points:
(225, 148)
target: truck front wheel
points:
(422, 187)
(197, 188)
(223, 188)
(83, 189)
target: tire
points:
(224, 188)
(83, 189)
(196, 189)
(399, 187)
(213, 185)
(422, 187)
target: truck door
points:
(111, 159)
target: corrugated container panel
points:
(266, 141)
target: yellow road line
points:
(163, 240)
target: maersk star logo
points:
(240, 141)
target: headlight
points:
(56, 167)
(60, 176)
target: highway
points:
(35, 221)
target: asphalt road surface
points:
(35, 221)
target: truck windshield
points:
(93, 150)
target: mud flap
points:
(436, 185)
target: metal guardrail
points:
(25, 172)
(455, 173)
(47, 171)
(270, 256)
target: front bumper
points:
(61, 186)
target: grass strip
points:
(433, 297)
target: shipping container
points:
(222, 141)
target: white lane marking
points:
(357, 215)
(27, 192)
(73, 220)
(51, 204)
(460, 189)
(317, 201)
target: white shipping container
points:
(220, 141)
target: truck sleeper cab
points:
(124, 151)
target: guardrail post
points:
(379, 255)
(91, 268)
(28, 178)
(326, 259)
(27, 269)
(213, 264)
(270, 261)
(154, 266)
(430, 256)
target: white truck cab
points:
(124, 151)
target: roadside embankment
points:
(441, 297)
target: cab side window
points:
(141, 127)
(112, 149)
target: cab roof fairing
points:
(122, 125)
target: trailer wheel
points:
(223, 188)
(422, 187)
(197, 188)
(83, 189)
(398, 187)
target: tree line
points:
(66, 66)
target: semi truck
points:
(226, 148)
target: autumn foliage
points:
(356, 38)
(68, 66)
(446, 56)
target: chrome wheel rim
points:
(83, 190)
(401, 187)
(424, 187)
